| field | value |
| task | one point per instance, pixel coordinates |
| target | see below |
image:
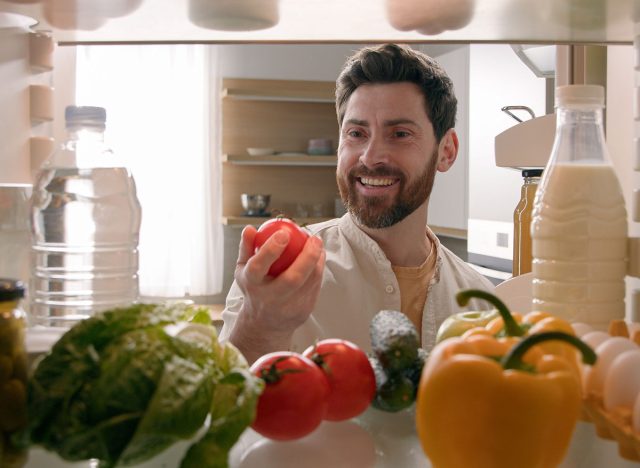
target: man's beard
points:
(371, 211)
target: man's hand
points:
(274, 307)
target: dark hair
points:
(392, 63)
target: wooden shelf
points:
(255, 220)
(278, 160)
(215, 310)
(449, 232)
(283, 115)
(283, 96)
(279, 90)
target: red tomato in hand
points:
(350, 376)
(294, 400)
(297, 239)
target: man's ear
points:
(447, 150)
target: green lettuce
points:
(125, 384)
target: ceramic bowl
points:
(260, 151)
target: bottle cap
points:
(85, 115)
(531, 172)
(580, 96)
(11, 289)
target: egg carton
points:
(613, 425)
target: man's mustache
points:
(378, 171)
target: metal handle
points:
(508, 109)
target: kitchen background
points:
(487, 77)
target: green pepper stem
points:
(511, 327)
(513, 359)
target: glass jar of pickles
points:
(13, 372)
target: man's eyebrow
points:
(387, 123)
(362, 123)
(402, 121)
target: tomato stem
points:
(273, 375)
(319, 360)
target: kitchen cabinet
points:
(282, 115)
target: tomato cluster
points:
(331, 380)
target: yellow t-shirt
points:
(414, 286)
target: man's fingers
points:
(258, 266)
(303, 266)
(245, 250)
(313, 282)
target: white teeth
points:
(377, 182)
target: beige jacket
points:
(358, 282)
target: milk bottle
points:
(579, 226)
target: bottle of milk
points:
(579, 226)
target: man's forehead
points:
(387, 96)
(372, 112)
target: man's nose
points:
(376, 151)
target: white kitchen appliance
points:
(502, 140)
(490, 242)
(490, 248)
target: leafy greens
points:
(125, 384)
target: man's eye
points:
(354, 133)
(401, 133)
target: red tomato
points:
(351, 378)
(294, 400)
(297, 239)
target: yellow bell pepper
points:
(515, 324)
(507, 323)
(486, 402)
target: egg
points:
(594, 338)
(607, 351)
(635, 415)
(580, 328)
(622, 382)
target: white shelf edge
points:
(279, 161)
(240, 221)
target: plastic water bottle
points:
(579, 226)
(85, 223)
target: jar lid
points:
(85, 116)
(531, 172)
(580, 96)
(11, 289)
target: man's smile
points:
(377, 181)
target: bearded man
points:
(396, 110)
